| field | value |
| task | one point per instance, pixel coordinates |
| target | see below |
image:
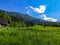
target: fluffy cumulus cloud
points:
(48, 18)
(28, 11)
(41, 10)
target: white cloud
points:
(28, 12)
(26, 7)
(48, 18)
(41, 9)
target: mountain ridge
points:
(26, 19)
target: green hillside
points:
(22, 29)
(16, 19)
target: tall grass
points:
(36, 35)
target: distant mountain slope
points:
(18, 19)
(28, 20)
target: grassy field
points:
(35, 35)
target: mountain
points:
(28, 20)
(22, 20)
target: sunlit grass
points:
(34, 35)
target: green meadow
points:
(34, 35)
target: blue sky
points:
(52, 7)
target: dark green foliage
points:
(11, 20)
(4, 14)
